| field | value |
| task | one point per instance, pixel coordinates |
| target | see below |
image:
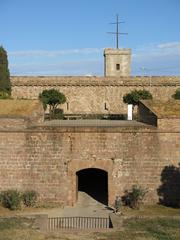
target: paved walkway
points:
(86, 206)
(94, 123)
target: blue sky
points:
(67, 37)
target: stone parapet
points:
(95, 81)
(94, 95)
(114, 51)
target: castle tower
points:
(117, 62)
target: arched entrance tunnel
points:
(94, 182)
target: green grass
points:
(157, 228)
(16, 223)
(10, 223)
(143, 224)
(133, 229)
(148, 229)
(151, 211)
(18, 229)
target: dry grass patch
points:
(133, 229)
(151, 211)
(164, 108)
(10, 107)
(151, 227)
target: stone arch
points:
(77, 166)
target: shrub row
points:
(13, 199)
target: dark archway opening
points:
(94, 182)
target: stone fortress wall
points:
(47, 159)
(98, 95)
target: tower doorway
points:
(94, 182)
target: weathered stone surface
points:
(18, 114)
(47, 159)
(164, 115)
(89, 94)
(117, 62)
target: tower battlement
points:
(117, 62)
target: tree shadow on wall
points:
(169, 191)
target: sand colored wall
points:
(89, 94)
(112, 57)
(46, 159)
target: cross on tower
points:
(117, 31)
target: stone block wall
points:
(112, 57)
(46, 159)
(95, 95)
(11, 123)
(169, 123)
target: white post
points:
(130, 111)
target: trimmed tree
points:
(135, 96)
(5, 85)
(53, 98)
(177, 94)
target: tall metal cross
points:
(117, 30)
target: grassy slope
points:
(139, 229)
(18, 108)
(18, 229)
(151, 228)
(151, 211)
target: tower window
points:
(117, 66)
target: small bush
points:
(29, 198)
(135, 96)
(11, 199)
(4, 95)
(58, 114)
(177, 94)
(117, 204)
(134, 197)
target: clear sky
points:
(67, 37)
